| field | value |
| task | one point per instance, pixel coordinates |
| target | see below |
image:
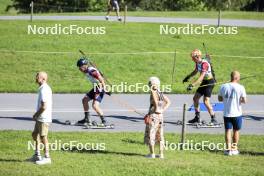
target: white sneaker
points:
(35, 158)
(44, 161)
(228, 152)
(235, 152)
(150, 156)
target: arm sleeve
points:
(44, 94)
(243, 92)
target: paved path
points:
(16, 113)
(225, 22)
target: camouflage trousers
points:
(154, 131)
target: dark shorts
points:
(206, 90)
(96, 95)
(114, 4)
(233, 122)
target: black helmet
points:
(82, 61)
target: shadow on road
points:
(251, 117)
(18, 118)
(57, 121)
(62, 122)
(132, 119)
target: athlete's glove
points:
(186, 79)
(190, 87)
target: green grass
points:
(3, 6)
(124, 155)
(179, 14)
(18, 69)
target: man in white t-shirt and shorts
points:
(233, 95)
(43, 118)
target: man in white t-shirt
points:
(43, 118)
(233, 95)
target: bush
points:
(155, 5)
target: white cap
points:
(154, 81)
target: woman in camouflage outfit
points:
(154, 127)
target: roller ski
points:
(76, 123)
(95, 125)
(208, 125)
(196, 120)
(203, 124)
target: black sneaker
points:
(195, 120)
(214, 121)
(104, 122)
(119, 19)
(83, 121)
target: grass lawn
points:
(179, 14)
(124, 155)
(18, 69)
(3, 5)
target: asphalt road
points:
(16, 113)
(161, 20)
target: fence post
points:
(183, 126)
(219, 18)
(32, 10)
(125, 14)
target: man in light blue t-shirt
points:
(233, 95)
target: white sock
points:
(47, 155)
